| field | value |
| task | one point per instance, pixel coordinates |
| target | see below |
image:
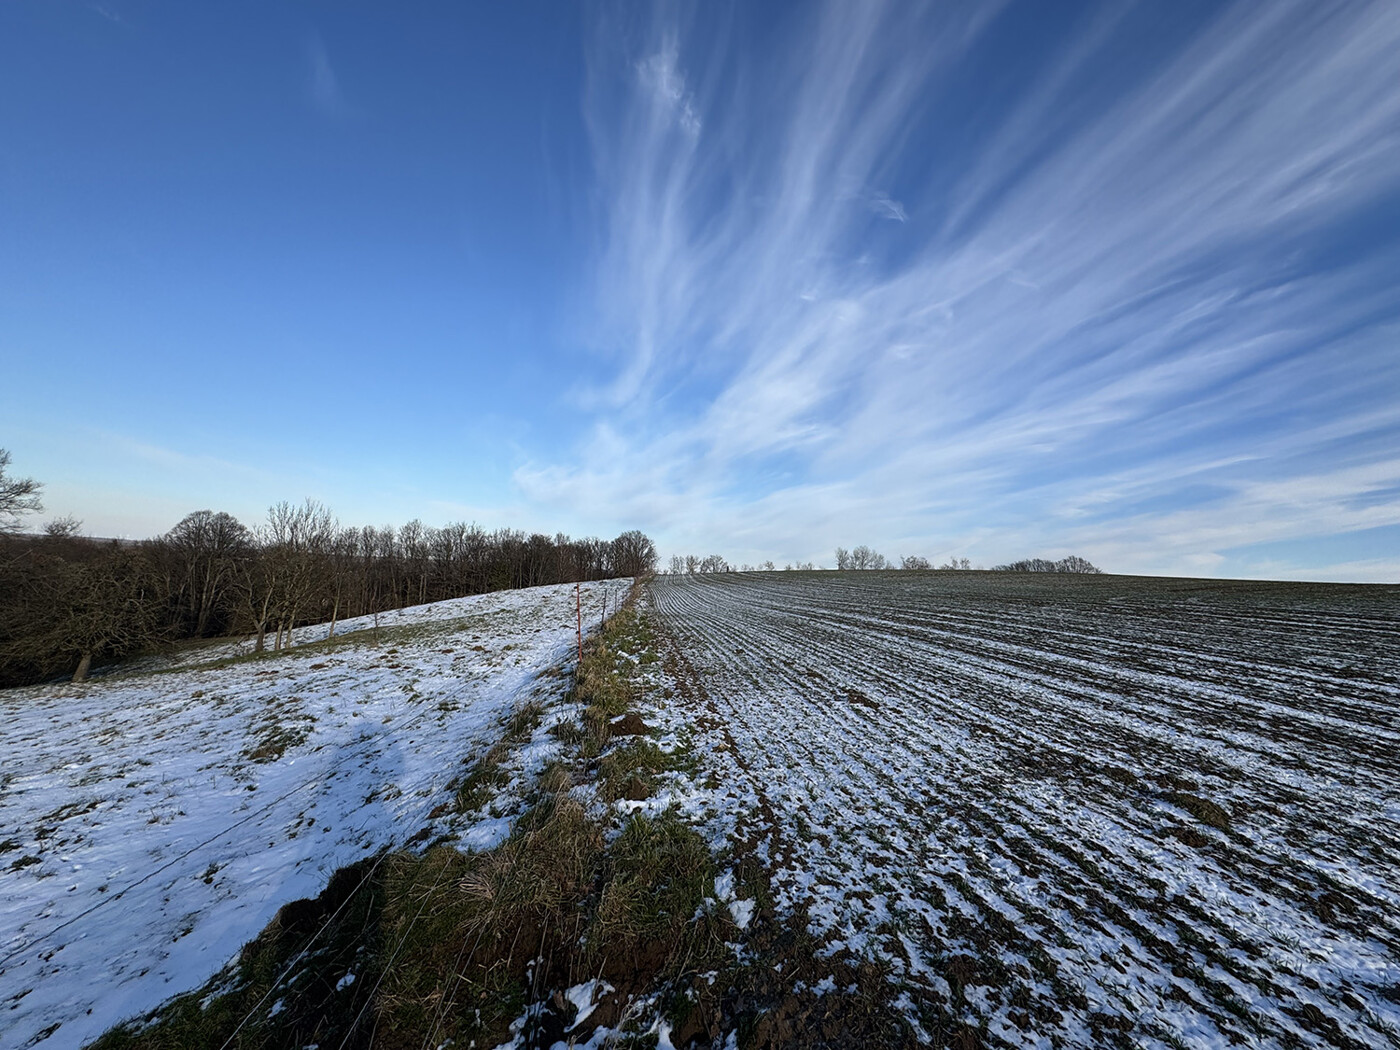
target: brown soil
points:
(630, 724)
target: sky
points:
(983, 280)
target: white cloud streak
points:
(323, 87)
(1105, 336)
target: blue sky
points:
(979, 280)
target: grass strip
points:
(447, 948)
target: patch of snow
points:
(742, 913)
(724, 886)
(584, 997)
(662, 1030)
(173, 812)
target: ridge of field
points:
(1075, 811)
(152, 823)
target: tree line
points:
(860, 558)
(68, 600)
(690, 565)
(863, 557)
(1072, 563)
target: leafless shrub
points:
(1073, 563)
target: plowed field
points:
(1079, 810)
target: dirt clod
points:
(630, 724)
(1189, 836)
(1204, 810)
(855, 696)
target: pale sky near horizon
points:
(984, 280)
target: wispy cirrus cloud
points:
(883, 205)
(322, 85)
(1137, 309)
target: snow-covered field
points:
(1069, 811)
(152, 823)
(1073, 811)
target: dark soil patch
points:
(1204, 810)
(1126, 777)
(1189, 836)
(630, 724)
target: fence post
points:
(578, 612)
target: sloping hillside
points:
(781, 810)
(151, 824)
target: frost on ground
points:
(1070, 811)
(152, 823)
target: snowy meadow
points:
(153, 822)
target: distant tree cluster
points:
(690, 564)
(860, 558)
(67, 600)
(1070, 564)
(865, 558)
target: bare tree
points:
(633, 554)
(64, 528)
(77, 611)
(340, 561)
(298, 541)
(18, 496)
(1074, 563)
(413, 540)
(279, 581)
(914, 561)
(255, 584)
(865, 558)
(207, 547)
(843, 558)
